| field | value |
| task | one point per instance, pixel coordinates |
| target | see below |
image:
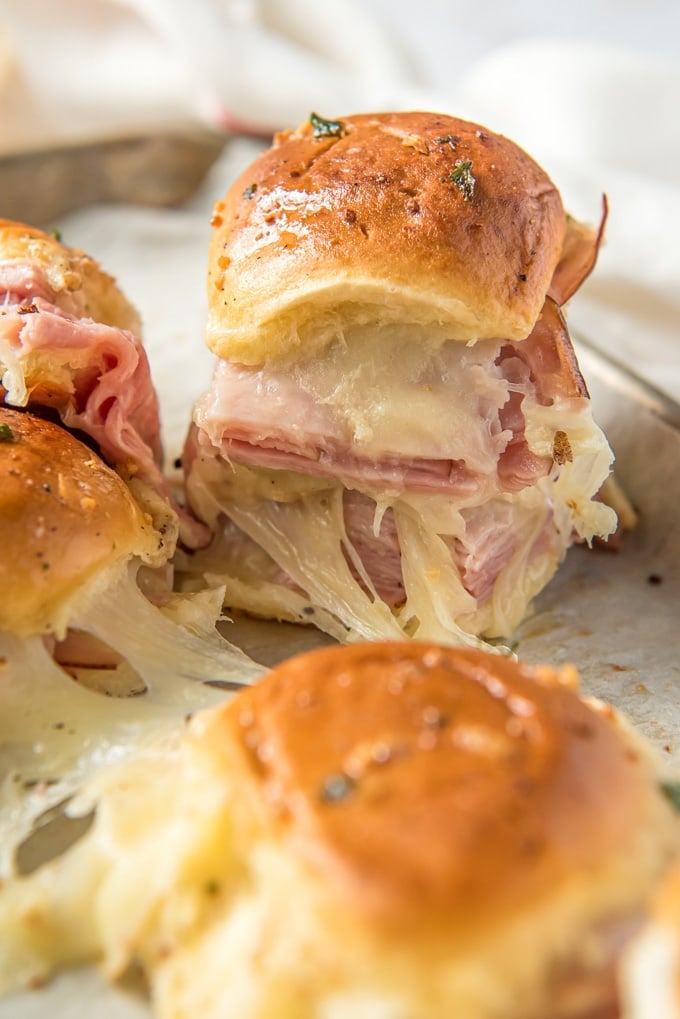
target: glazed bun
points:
(87, 620)
(419, 832)
(66, 520)
(71, 344)
(417, 218)
(456, 767)
(438, 814)
(409, 830)
(80, 285)
(386, 830)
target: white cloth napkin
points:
(603, 121)
(599, 120)
(77, 69)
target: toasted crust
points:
(370, 225)
(65, 518)
(429, 783)
(79, 283)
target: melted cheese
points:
(12, 378)
(297, 522)
(410, 399)
(649, 976)
(54, 733)
(430, 400)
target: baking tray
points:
(613, 614)
(616, 615)
(155, 169)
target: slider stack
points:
(398, 440)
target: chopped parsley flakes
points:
(463, 178)
(326, 128)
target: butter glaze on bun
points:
(65, 517)
(428, 831)
(422, 780)
(415, 216)
(385, 830)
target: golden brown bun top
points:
(64, 518)
(79, 283)
(414, 217)
(426, 782)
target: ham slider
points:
(78, 635)
(70, 345)
(397, 440)
(391, 830)
(89, 528)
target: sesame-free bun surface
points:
(429, 832)
(381, 222)
(79, 283)
(476, 776)
(65, 518)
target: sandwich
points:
(90, 667)
(71, 348)
(397, 441)
(388, 829)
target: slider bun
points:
(494, 768)
(65, 518)
(441, 827)
(324, 232)
(80, 285)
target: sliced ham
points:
(20, 282)
(518, 467)
(265, 419)
(579, 254)
(414, 475)
(96, 377)
(106, 391)
(339, 407)
(379, 552)
(487, 545)
(492, 536)
(485, 548)
(549, 355)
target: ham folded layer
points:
(95, 376)
(263, 417)
(469, 444)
